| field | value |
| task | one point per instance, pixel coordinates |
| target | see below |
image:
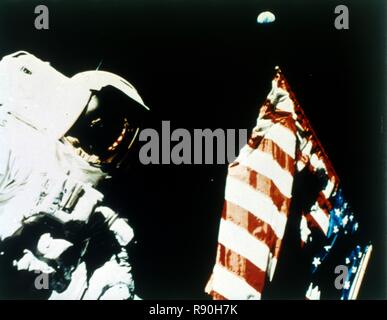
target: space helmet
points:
(98, 112)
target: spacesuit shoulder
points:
(13, 146)
(4, 145)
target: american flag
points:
(258, 195)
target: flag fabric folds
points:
(258, 197)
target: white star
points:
(356, 226)
(354, 269)
(335, 229)
(316, 262)
(346, 285)
(351, 217)
(345, 220)
(359, 255)
(347, 261)
(337, 212)
(327, 248)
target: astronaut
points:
(60, 137)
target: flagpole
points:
(363, 267)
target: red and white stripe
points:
(258, 195)
(257, 200)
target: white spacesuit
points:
(47, 173)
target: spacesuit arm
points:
(119, 226)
